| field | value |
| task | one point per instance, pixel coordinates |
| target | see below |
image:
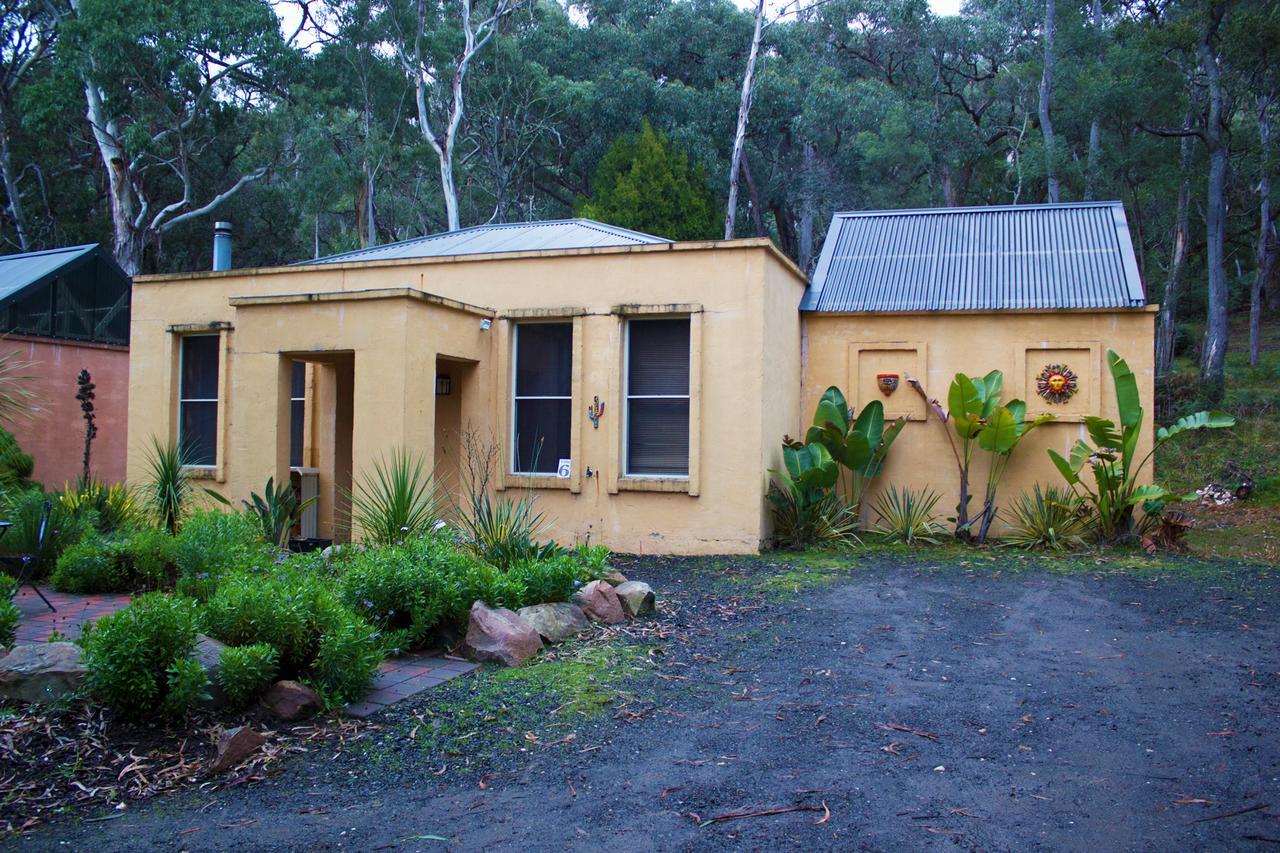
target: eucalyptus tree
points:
(166, 84)
(436, 45)
(27, 32)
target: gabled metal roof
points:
(1041, 256)
(18, 272)
(504, 237)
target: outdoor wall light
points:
(444, 385)
(485, 324)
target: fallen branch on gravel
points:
(1237, 813)
(765, 813)
(895, 727)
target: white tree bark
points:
(1214, 353)
(744, 113)
(428, 86)
(1046, 99)
(1095, 126)
(1166, 327)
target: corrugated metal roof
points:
(18, 272)
(504, 237)
(978, 258)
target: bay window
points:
(657, 397)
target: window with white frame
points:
(297, 411)
(198, 399)
(657, 397)
(543, 395)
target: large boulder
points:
(41, 672)
(209, 652)
(614, 577)
(557, 621)
(290, 700)
(234, 746)
(637, 597)
(499, 634)
(599, 601)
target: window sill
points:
(536, 481)
(653, 484)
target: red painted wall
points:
(54, 435)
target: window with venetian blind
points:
(543, 396)
(198, 400)
(657, 397)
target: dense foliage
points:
(298, 122)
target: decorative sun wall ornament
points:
(1056, 383)
(887, 383)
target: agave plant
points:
(1113, 457)
(397, 500)
(1053, 518)
(277, 511)
(858, 445)
(907, 517)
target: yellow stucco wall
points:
(848, 350)
(374, 322)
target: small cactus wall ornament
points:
(594, 411)
(1056, 383)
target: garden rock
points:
(637, 597)
(599, 601)
(41, 672)
(499, 634)
(289, 700)
(234, 746)
(209, 652)
(614, 577)
(557, 621)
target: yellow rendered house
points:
(639, 388)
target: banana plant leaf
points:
(1199, 420)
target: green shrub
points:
(301, 616)
(89, 566)
(397, 590)
(15, 466)
(139, 659)
(9, 614)
(212, 543)
(1051, 518)
(150, 556)
(594, 560)
(244, 672)
(476, 581)
(546, 581)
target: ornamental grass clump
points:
(139, 660)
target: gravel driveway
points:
(895, 706)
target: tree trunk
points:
(1265, 258)
(1095, 126)
(804, 257)
(1166, 328)
(1213, 357)
(11, 192)
(744, 113)
(756, 218)
(1046, 97)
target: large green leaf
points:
(965, 403)
(1103, 432)
(857, 451)
(829, 412)
(1147, 493)
(1127, 399)
(870, 422)
(1199, 420)
(1000, 435)
(990, 391)
(1070, 474)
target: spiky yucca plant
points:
(1051, 518)
(168, 491)
(397, 500)
(907, 517)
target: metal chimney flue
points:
(221, 246)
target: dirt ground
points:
(898, 705)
